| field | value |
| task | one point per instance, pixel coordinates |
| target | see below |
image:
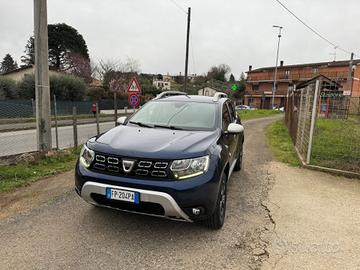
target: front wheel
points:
(216, 221)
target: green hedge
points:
(8, 89)
(65, 87)
(27, 87)
(97, 93)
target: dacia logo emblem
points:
(128, 165)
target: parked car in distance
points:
(243, 107)
(281, 109)
(173, 158)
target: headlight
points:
(186, 168)
(86, 156)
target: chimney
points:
(281, 63)
(250, 68)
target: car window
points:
(232, 111)
(226, 118)
(185, 115)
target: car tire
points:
(217, 219)
(238, 164)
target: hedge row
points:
(65, 87)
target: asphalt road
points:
(67, 233)
(17, 142)
(63, 122)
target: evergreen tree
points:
(29, 57)
(8, 64)
(64, 39)
(242, 76)
(232, 78)
(64, 42)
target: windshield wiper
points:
(140, 124)
(169, 127)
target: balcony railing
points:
(296, 76)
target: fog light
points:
(196, 211)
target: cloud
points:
(238, 33)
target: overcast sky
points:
(235, 32)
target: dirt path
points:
(65, 232)
(316, 218)
(26, 198)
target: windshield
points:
(176, 115)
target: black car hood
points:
(159, 143)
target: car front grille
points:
(139, 168)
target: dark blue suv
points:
(172, 158)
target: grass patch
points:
(281, 144)
(24, 173)
(337, 144)
(252, 114)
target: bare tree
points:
(79, 66)
(116, 75)
(131, 65)
(94, 70)
(107, 66)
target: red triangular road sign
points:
(134, 87)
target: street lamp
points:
(276, 65)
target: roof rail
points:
(219, 95)
(169, 94)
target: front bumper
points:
(171, 208)
(176, 198)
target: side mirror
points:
(121, 120)
(235, 128)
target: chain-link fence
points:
(304, 123)
(325, 125)
(72, 123)
(13, 109)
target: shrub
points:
(27, 87)
(65, 87)
(8, 89)
(96, 93)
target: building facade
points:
(162, 82)
(162, 85)
(19, 73)
(259, 83)
(207, 91)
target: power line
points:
(179, 6)
(312, 29)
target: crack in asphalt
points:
(257, 243)
(269, 214)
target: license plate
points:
(123, 195)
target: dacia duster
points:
(172, 158)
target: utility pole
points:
(42, 90)
(187, 48)
(350, 77)
(334, 53)
(276, 66)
